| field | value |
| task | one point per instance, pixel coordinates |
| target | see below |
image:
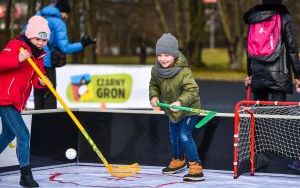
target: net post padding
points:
(254, 124)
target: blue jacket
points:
(59, 34)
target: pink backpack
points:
(264, 39)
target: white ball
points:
(71, 153)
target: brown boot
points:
(195, 173)
(175, 166)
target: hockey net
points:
(265, 126)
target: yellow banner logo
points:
(110, 88)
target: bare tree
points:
(142, 33)
(74, 27)
(161, 14)
(194, 45)
(189, 27)
(234, 28)
(8, 20)
(31, 8)
(90, 22)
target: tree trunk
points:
(197, 32)
(161, 14)
(89, 18)
(31, 8)
(74, 28)
(142, 31)
(8, 20)
(234, 36)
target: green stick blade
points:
(206, 119)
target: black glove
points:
(86, 40)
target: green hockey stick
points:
(208, 114)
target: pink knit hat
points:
(37, 27)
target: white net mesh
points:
(277, 130)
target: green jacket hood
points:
(181, 61)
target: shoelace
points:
(175, 163)
(195, 168)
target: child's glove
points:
(177, 103)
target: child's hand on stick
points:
(177, 103)
(24, 55)
(44, 83)
(154, 101)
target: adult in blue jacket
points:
(56, 14)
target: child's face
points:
(40, 43)
(165, 60)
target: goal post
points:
(265, 126)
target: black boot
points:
(26, 177)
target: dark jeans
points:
(43, 98)
(182, 141)
(14, 126)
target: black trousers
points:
(43, 98)
(269, 95)
(266, 160)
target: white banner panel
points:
(9, 157)
(103, 86)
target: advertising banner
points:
(103, 86)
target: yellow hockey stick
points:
(114, 170)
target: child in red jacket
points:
(16, 80)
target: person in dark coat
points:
(272, 81)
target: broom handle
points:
(68, 110)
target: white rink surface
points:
(89, 175)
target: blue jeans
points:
(14, 126)
(182, 141)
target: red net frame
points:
(251, 115)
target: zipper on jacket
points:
(23, 102)
(285, 69)
(12, 81)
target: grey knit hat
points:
(167, 44)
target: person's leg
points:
(277, 96)
(261, 95)
(50, 101)
(209, 131)
(261, 159)
(39, 98)
(178, 162)
(186, 138)
(13, 119)
(176, 146)
(6, 135)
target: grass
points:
(216, 65)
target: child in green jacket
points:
(172, 82)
